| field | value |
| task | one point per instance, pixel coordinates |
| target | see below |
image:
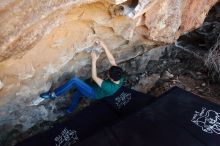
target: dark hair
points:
(115, 73)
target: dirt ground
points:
(180, 68)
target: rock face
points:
(43, 42)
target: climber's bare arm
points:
(108, 53)
(94, 72)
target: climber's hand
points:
(97, 41)
(101, 43)
(94, 56)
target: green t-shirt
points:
(107, 88)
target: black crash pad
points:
(197, 116)
(127, 101)
(96, 117)
(177, 118)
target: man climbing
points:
(101, 89)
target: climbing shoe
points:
(48, 95)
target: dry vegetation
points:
(213, 59)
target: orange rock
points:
(42, 40)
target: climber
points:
(101, 89)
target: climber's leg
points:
(82, 90)
(75, 99)
(73, 82)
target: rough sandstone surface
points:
(41, 41)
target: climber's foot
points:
(47, 95)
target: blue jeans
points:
(83, 89)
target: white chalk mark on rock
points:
(1, 84)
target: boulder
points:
(43, 42)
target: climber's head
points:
(115, 73)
